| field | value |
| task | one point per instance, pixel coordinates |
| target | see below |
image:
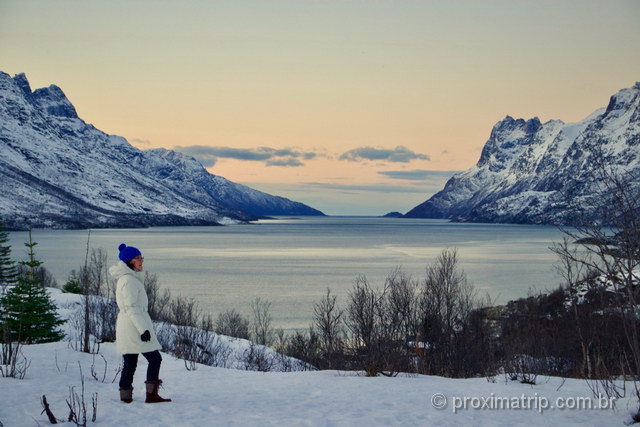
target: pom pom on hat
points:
(127, 253)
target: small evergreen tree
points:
(8, 270)
(73, 285)
(28, 312)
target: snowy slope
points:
(226, 397)
(58, 171)
(530, 172)
(222, 191)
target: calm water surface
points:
(291, 262)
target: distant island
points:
(393, 214)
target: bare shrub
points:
(98, 290)
(189, 342)
(376, 344)
(78, 406)
(101, 322)
(362, 311)
(447, 300)
(231, 323)
(523, 368)
(258, 358)
(75, 336)
(159, 301)
(218, 353)
(189, 336)
(99, 280)
(261, 328)
(165, 336)
(13, 363)
(104, 312)
(99, 376)
(402, 302)
(328, 321)
(480, 339)
(184, 311)
(11, 358)
(300, 351)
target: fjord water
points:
(291, 262)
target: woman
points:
(134, 330)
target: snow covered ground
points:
(218, 396)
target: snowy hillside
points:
(58, 171)
(219, 396)
(532, 172)
(219, 189)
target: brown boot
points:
(126, 394)
(152, 392)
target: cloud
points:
(286, 157)
(285, 162)
(257, 154)
(207, 162)
(418, 174)
(400, 154)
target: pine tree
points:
(8, 271)
(29, 313)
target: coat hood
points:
(122, 269)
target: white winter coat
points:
(133, 318)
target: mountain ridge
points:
(61, 172)
(537, 173)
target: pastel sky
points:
(355, 107)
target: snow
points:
(525, 157)
(602, 282)
(218, 396)
(75, 173)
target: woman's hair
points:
(130, 265)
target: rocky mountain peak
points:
(624, 99)
(507, 136)
(21, 81)
(509, 124)
(54, 102)
(531, 172)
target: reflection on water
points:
(291, 262)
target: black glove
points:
(146, 336)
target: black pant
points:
(131, 362)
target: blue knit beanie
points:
(127, 253)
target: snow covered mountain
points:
(58, 171)
(532, 172)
